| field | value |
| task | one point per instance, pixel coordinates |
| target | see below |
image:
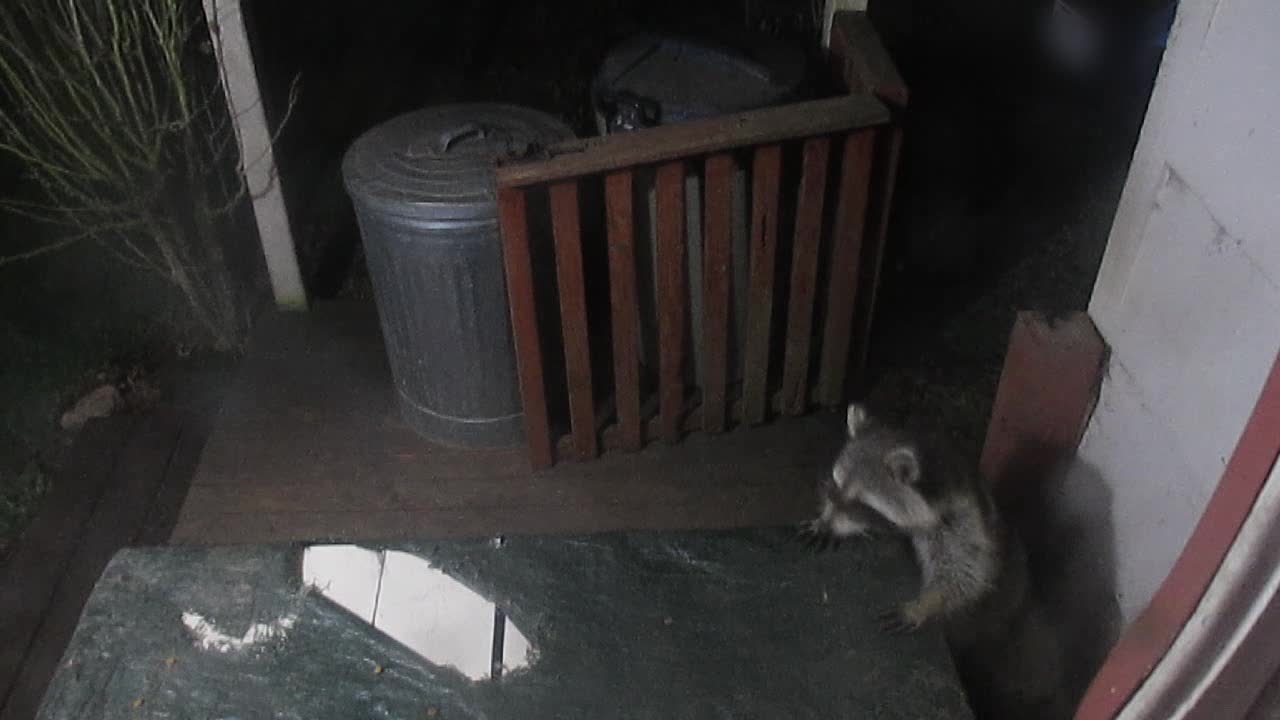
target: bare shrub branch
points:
(117, 116)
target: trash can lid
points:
(437, 163)
(693, 79)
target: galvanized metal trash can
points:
(423, 189)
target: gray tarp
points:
(629, 625)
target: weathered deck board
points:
(120, 467)
(29, 579)
(172, 493)
(309, 446)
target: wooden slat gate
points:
(804, 328)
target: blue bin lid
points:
(437, 163)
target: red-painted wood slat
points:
(513, 222)
(804, 275)
(716, 260)
(766, 172)
(626, 315)
(672, 298)
(846, 252)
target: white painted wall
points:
(1188, 296)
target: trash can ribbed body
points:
(422, 186)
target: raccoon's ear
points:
(856, 418)
(904, 464)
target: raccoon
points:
(627, 112)
(974, 574)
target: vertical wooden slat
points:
(766, 170)
(626, 308)
(804, 275)
(846, 249)
(872, 260)
(718, 211)
(516, 255)
(672, 298)
(573, 316)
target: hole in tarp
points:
(420, 606)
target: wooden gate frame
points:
(857, 125)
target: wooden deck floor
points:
(309, 446)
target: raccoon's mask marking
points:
(875, 470)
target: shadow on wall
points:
(1062, 511)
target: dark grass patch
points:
(69, 321)
(20, 495)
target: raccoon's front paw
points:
(909, 616)
(809, 528)
(813, 534)
(903, 619)
(895, 622)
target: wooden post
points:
(1047, 390)
(829, 10)
(257, 161)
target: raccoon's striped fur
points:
(974, 575)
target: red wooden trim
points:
(874, 257)
(804, 275)
(573, 317)
(672, 297)
(718, 211)
(846, 251)
(1149, 637)
(675, 142)
(516, 255)
(626, 310)
(766, 172)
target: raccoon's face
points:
(874, 482)
(628, 112)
